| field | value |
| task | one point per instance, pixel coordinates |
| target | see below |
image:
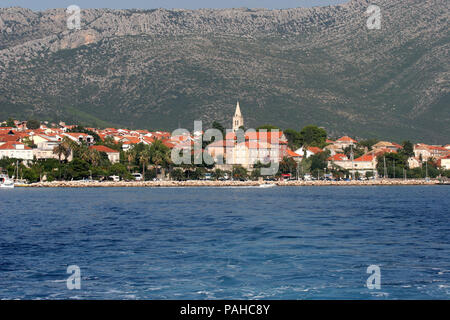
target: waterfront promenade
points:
(195, 183)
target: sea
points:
(380, 242)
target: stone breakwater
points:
(96, 184)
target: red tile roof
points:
(338, 157)
(291, 153)
(346, 139)
(7, 137)
(221, 143)
(103, 149)
(260, 136)
(367, 157)
(12, 146)
(168, 144)
(315, 150)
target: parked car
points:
(137, 176)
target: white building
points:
(16, 150)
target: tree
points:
(160, 155)
(395, 163)
(287, 165)
(144, 159)
(199, 174)
(256, 174)
(313, 136)
(63, 149)
(131, 157)
(10, 123)
(118, 169)
(78, 169)
(239, 173)
(319, 160)
(33, 124)
(294, 138)
(218, 174)
(94, 157)
(408, 149)
(218, 126)
(177, 175)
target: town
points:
(31, 151)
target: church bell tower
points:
(238, 119)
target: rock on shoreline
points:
(136, 184)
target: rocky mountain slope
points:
(162, 69)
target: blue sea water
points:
(226, 243)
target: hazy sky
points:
(149, 4)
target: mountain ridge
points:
(289, 67)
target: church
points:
(256, 147)
(238, 119)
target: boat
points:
(267, 185)
(6, 182)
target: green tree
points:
(63, 149)
(217, 125)
(10, 123)
(408, 149)
(319, 161)
(287, 165)
(33, 124)
(218, 174)
(239, 173)
(256, 174)
(144, 160)
(294, 138)
(160, 155)
(395, 163)
(118, 169)
(78, 169)
(313, 136)
(177, 175)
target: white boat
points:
(6, 182)
(267, 185)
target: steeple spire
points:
(238, 119)
(237, 113)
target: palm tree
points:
(85, 153)
(95, 157)
(160, 155)
(63, 149)
(131, 157)
(144, 160)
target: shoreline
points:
(194, 183)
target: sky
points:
(151, 4)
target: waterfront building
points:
(16, 150)
(345, 142)
(444, 162)
(80, 137)
(113, 155)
